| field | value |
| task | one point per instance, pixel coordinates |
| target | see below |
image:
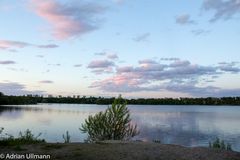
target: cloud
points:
(142, 38)
(179, 76)
(169, 59)
(209, 91)
(70, 19)
(198, 32)
(147, 61)
(180, 63)
(57, 64)
(17, 69)
(184, 19)
(112, 56)
(12, 50)
(118, 84)
(12, 45)
(125, 69)
(7, 62)
(150, 71)
(14, 88)
(229, 67)
(100, 54)
(40, 56)
(46, 81)
(108, 54)
(78, 65)
(223, 9)
(5, 44)
(101, 66)
(48, 46)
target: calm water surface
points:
(184, 125)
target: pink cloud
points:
(152, 75)
(69, 20)
(119, 83)
(11, 45)
(5, 44)
(174, 75)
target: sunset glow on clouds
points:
(70, 20)
(179, 76)
(111, 47)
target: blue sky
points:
(138, 48)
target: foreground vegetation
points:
(26, 137)
(220, 144)
(34, 99)
(112, 124)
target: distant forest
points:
(34, 99)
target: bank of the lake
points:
(122, 151)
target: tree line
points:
(34, 99)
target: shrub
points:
(25, 137)
(66, 138)
(28, 136)
(220, 144)
(112, 124)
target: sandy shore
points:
(121, 151)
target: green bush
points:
(25, 137)
(112, 124)
(220, 144)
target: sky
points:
(137, 48)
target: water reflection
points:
(10, 112)
(189, 128)
(177, 128)
(185, 125)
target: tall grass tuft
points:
(66, 137)
(220, 144)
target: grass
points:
(220, 144)
(19, 148)
(26, 137)
(52, 146)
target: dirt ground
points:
(121, 151)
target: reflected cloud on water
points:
(184, 128)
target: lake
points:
(184, 125)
